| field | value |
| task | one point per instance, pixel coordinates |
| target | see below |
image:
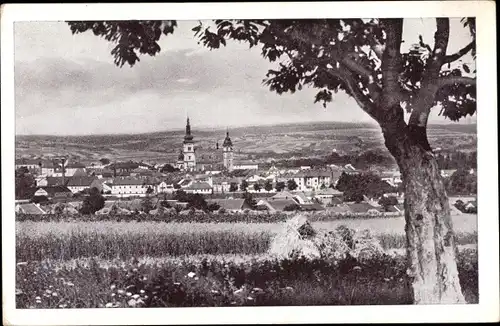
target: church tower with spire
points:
(188, 149)
(227, 150)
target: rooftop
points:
(80, 181)
(128, 182)
(30, 208)
(199, 185)
(229, 204)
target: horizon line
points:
(214, 128)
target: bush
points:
(39, 199)
(291, 208)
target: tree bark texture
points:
(431, 246)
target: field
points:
(261, 143)
(154, 264)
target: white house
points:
(165, 188)
(326, 195)
(246, 167)
(392, 177)
(310, 179)
(80, 183)
(126, 187)
(30, 164)
(50, 168)
(199, 188)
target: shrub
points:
(291, 208)
(39, 199)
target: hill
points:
(258, 142)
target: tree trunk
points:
(431, 247)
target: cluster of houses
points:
(314, 189)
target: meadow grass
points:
(124, 240)
(203, 281)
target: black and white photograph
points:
(261, 157)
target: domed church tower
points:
(188, 149)
(227, 150)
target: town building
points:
(227, 149)
(81, 183)
(71, 168)
(126, 187)
(199, 187)
(30, 208)
(326, 195)
(31, 164)
(231, 205)
(198, 158)
(312, 179)
(53, 192)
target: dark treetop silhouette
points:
(362, 58)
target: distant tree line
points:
(461, 182)
(359, 160)
(450, 160)
(457, 160)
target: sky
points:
(68, 84)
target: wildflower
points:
(257, 290)
(214, 291)
(23, 263)
(356, 268)
(191, 274)
(136, 296)
(142, 291)
(18, 292)
(70, 284)
(38, 298)
(129, 294)
(289, 288)
(112, 294)
(196, 278)
(112, 286)
(109, 305)
(144, 278)
(48, 291)
(250, 298)
(177, 283)
(54, 294)
(121, 292)
(132, 302)
(238, 291)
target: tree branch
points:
(350, 82)
(450, 80)
(459, 54)
(423, 104)
(391, 62)
(438, 54)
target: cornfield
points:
(36, 241)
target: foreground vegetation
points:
(85, 264)
(220, 282)
(36, 241)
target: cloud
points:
(68, 84)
